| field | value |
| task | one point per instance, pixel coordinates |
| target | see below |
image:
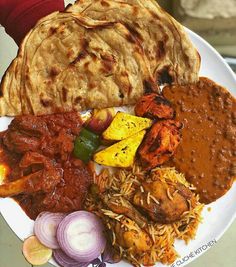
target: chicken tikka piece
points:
(154, 106)
(160, 143)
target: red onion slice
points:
(64, 260)
(96, 262)
(45, 227)
(81, 236)
(109, 254)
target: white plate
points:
(223, 211)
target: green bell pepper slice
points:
(86, 144)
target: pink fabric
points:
(19, 16)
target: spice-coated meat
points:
(159, 143)
(43, 174)
(154, 106)
(44, 179)
(163, 202)
(51, 135)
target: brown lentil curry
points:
(207, 153)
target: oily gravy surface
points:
(41, 148)
(207, 153)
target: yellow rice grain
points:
(123, 183)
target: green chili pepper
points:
(86, 144)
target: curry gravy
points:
(207, 152)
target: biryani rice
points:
(124, 183)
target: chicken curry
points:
(38, 150)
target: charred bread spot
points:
(108, 62)
(46, 102)
(134, 32)
(125, 84)
(77, 100)
(93, 56)
(164, 76)
(106, 24)
(64, 94)
(86, 64)
(92, 85)
(160, 52)
(52, 31)
(80, 56)
(104, 3)
(84, 44)
(121, 95)
(135, 11)
(148, 87)
(70, 53)
(54, 71)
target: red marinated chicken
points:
(154, 106)
(159, 143)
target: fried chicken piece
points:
(44, 179)
(154, 106)
(163, 202)
(120, 205)
(130, 236)
(159, 143)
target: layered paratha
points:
(172, 57)
(97, 54)
(69, 62)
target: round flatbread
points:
(97, 54)
(72, 62)
(172, 56)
